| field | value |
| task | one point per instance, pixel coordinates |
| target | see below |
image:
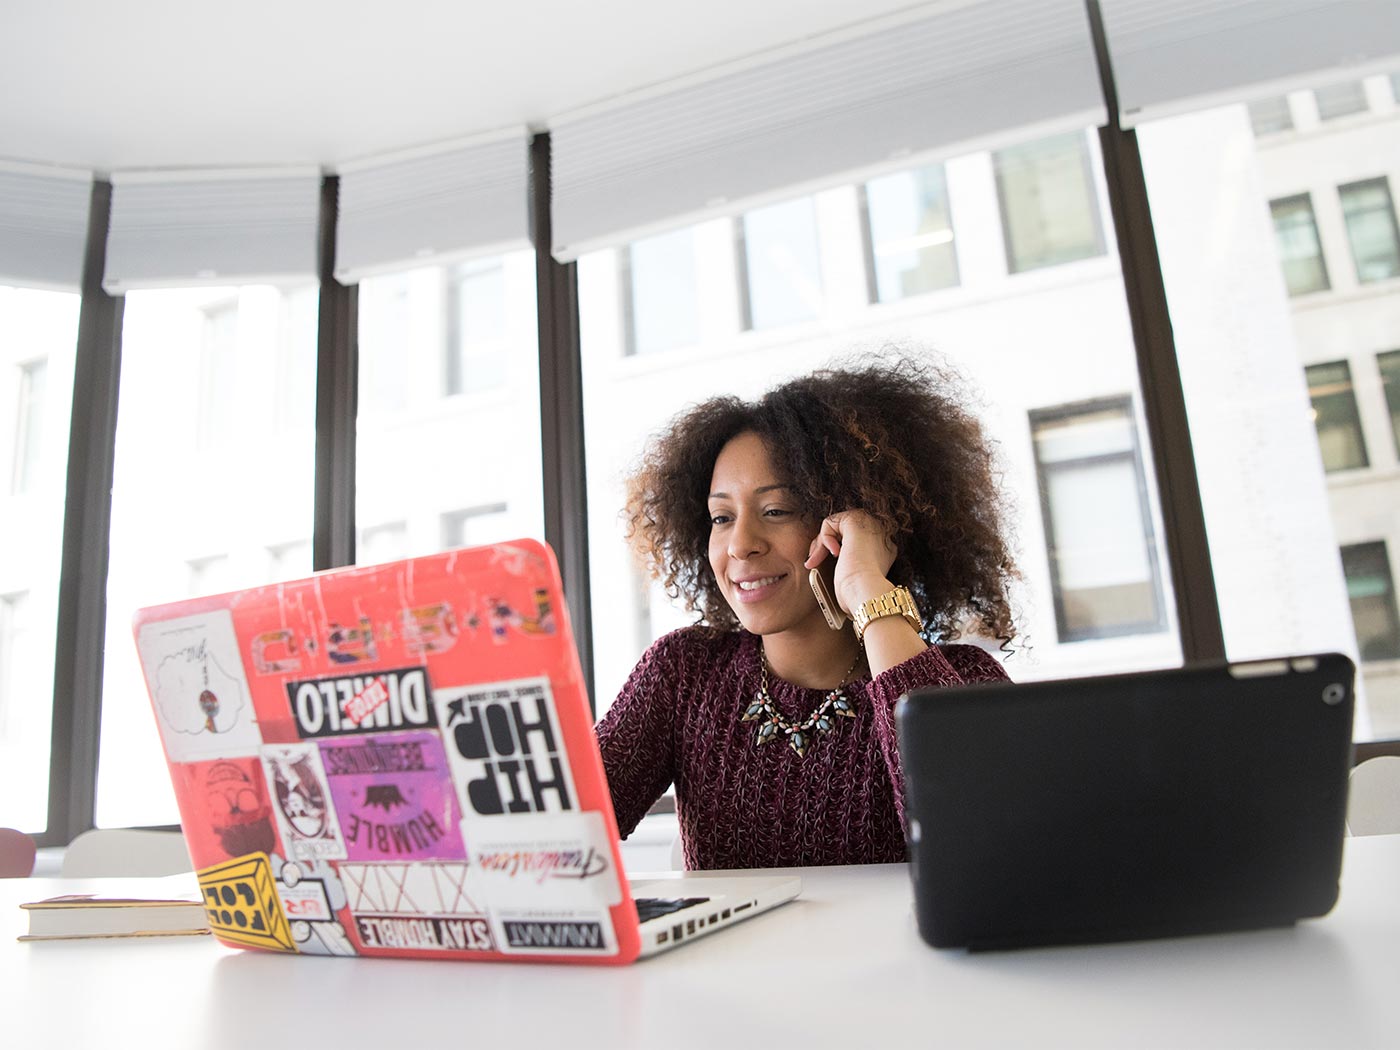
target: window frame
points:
(1133, 455)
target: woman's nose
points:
(745, 539)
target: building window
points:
(211, 575)
(378, 544)
(1304, 268)
(1049, 211)
(289, 561)
(29, 426)
(474, 527)
(218, 371)
(1389, 364)
(14, 625)
(780, 261)
(1370, 219)
(1334, 413)
(1269, 116)
(1098, 526)
(1340, 100)
(910, 233)
(476, 357)
(1371, 589)
(661, 307)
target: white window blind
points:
(1174, 56)
(181, 229)
(943, 76)
(431, 205)
(43, 226)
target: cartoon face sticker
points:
(238, 810)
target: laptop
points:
(1157, 804)
(399, 760)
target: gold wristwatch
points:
(896, 602)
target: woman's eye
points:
(777, 512)
(719, 519)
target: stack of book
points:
(163, 907)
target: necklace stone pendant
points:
(772, 724)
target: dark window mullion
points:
(561, 411)
(1164, 400)
(337, 398)
(87, 515)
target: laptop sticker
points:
(346, 705)
(302, 801)
(394, 796)
(200, 693)
(242, 906)
(226, 810)
(426, 906)
(537, 931)
(555, 860)
(311, 896)
(430, 628)
(506, 751)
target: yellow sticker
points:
(240, 899)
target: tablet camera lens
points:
(1334, 694)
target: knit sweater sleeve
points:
(938, 665)
(637, 735)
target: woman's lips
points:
(752, 589)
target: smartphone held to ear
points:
(835, 618)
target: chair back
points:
(126, 853)
(1373, 805)
(16, 854)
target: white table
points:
(841, 967)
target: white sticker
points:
(531, 931)
(303, 803)
(423, 906)
(546, 860)
(505, 749)
(196, 678)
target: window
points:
(1370, 219)
(29, 425)
(476, 346)
(910, 233)
(472, 528)
(1371, 588)
(289, 561)
(661, 305)
(1340, 100)
(26, 694)
(210, 575)
(1304, 269)
(1098, 528)
(1049, 209)
(206, 478)
(218, 365)
(1334, 414)
(1268, 116)
(38, 339)
(1389, 364)
(458, 343)
(1395, 86)
(780, 257)
(381, 543)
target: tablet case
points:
(1155, 804)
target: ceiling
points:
(184, 83)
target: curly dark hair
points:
(892, 436)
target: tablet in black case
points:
(1154, 804)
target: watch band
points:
(895, 602)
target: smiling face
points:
(759, 540)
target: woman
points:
(777, 729)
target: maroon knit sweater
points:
(740, 806)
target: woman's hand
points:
(863, 551)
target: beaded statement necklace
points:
(799, 734)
